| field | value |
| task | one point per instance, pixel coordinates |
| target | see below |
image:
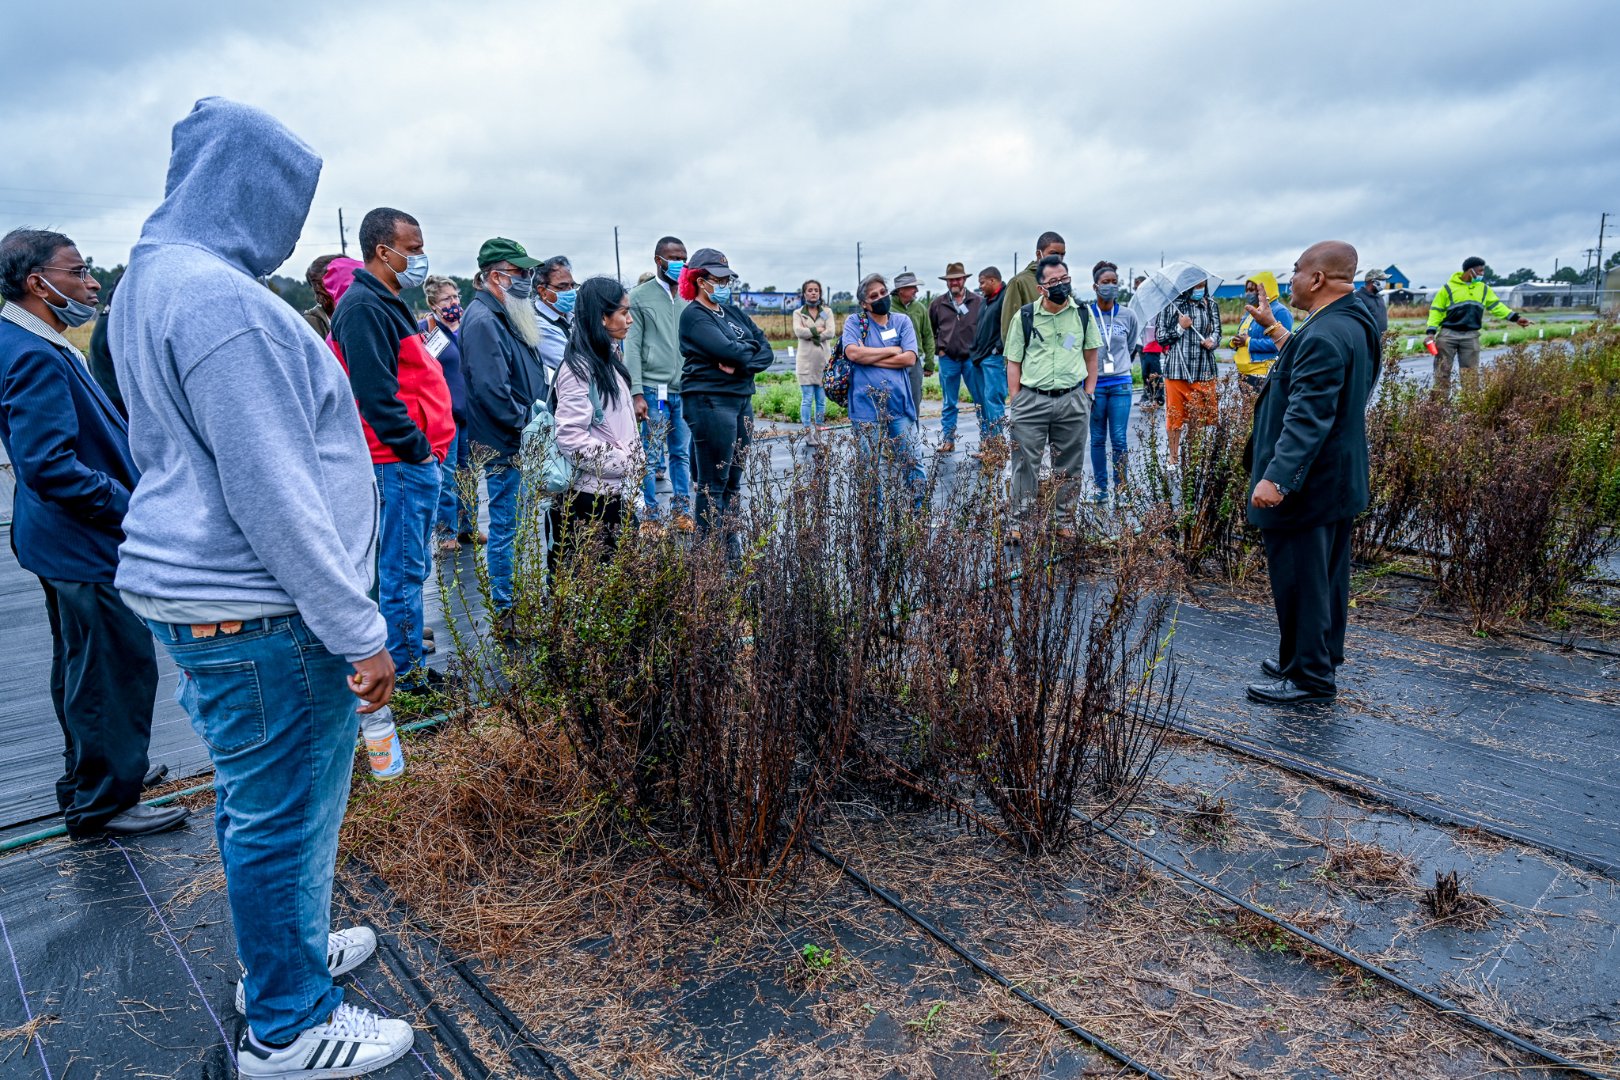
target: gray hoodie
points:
(256, 488)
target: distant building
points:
(1545, 294)
(1609, 299)
(1232, 287)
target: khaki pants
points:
(1064, 425)
(1461, 344)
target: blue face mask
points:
(565, 301)
(1108, 292)
(1198, 294)
(673, 268)
(415, 272)
(519, 288)
(721, 294)
(72, 312)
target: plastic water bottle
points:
(383, 747)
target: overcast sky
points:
(1230, 134)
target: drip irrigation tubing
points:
(452, 1036)
(530, 1044)
(922, 922)
(174, 796)
(1371, 790)
(1446, 616)
(1439, 1004)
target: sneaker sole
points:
(338, 1073)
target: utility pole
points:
(618, 271)
(343, 237)
(1597, 288)
(858, 277)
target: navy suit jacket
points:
(69, 451)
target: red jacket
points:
(400, 388)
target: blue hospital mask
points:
(673, 268)
(721, 294)
(1198, 294)
(565, 301)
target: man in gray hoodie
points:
(249, 547)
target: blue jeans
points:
(454, 516)
(952, 374)
(507, 493)
(667, 436)
(812, 404)
(900, 438)
(1110, 422)
(274, 709)
(993, 406)
(409, 494)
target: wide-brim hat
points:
(712, 262)
(907, 280)
(953, 270)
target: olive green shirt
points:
(1056, 357)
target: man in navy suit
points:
(69, 448)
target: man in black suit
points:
(70, 449)
(1308, 471)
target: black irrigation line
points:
(529, 1046)
(451, 1034)
(983, 967)
(1441, 1005)
(1409, 803)
(1446, 616)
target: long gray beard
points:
(524, 320)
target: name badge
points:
(436, 342)
(663, 391)
(1108, 365)
(890, 335)
(1068, 342)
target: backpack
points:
(543, 460)
(835, 379)
(1026, 316)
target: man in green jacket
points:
(652, 356)
(904, 299)
(1023, 289)
(1455, 316)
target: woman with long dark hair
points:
(596, 418)
(816, 329)
(723, 350)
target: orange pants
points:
(1185, 400)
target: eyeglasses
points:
(80, 272)
(1064, 280)
(514, 273)
(563, 287)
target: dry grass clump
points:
(1361, 865)
(1452, 904)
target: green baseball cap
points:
(500, 249)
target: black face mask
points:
(1251, 298)
(1059, 294)
(880, 307)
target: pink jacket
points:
(606, 456)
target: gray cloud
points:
(786, 135)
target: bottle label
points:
(387, 759)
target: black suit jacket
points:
(1310, 422)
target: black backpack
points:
(1026, 317)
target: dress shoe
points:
(479, 539)
(141, 819)
(1271, 670)
(1286, 692)
(154, 775)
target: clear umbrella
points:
(1164, 285)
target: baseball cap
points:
(500, 249)
(712, 262)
